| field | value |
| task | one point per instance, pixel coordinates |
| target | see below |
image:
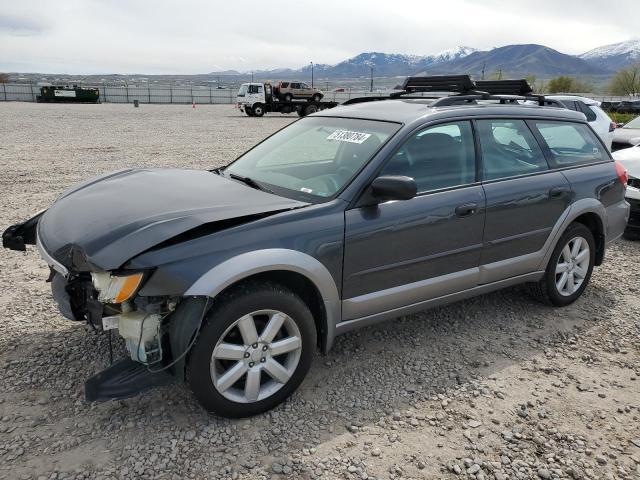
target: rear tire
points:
(288, 97)
(309, 109)
(235, 338)
(568, 273)
(317, 97)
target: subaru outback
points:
(231, 279)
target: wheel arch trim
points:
(245, 265)
(576, 209)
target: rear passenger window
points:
(571, 143)
(584, 108)
(437, 157)
(509, 149)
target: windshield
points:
(314, 157)
(243, 90)
(635, 123)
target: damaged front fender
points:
(18, 236)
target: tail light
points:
(612, 126)
(623, 176)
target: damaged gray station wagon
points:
(231, 279)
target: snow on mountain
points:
(631, 47)
(453, 54)
(614, 56)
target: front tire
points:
(258, 110)
(317, 97)
(288, 97)
(569, 269)
(254, 349)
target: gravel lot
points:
(497, 387)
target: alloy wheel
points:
(247, 366)
(572, 266)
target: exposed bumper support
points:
(123, 379)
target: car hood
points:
(104, 222)
(625, 134)
(630, 159)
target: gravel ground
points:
(497, 387)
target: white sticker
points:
(64, 93)
(306, 190)
(347, 136)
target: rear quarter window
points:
(571, 143)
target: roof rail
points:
(505, 87)
(475, 96)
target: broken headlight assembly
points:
(139, 329)
(115, 288)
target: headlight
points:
(114, 289)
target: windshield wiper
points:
(250, 182)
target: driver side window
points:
(509, 149)
(442, 156)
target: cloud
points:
(20, 27)
(199, 36)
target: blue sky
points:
(198, 36)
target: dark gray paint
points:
(417, 251)
(396, 243)
(122, 215)
(521, 213)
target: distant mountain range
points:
(528, 59)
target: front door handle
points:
(556, 192)
(466, 209)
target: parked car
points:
(231, 279)
(624, 136)
(287, 91)
(596, 116)
(626, 106)
(630, 159)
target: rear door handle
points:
(559, 191)
(466, 209)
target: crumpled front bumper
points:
(18, 236)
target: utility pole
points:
(483, 65)
(371, 88)
(251, 76)
(311, 74)
(500, 74)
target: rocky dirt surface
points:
(497, 387)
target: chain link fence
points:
(168, 94)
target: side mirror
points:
(392, 187)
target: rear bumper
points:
(617, 216)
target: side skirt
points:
(349, 325)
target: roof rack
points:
(443, 83)
(466, 90)
(505, 87)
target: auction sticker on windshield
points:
(348, 136)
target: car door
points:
(525, 199)
(400, 253)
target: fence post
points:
(149, 92)
(33, 95)
(126, 85)
(210, 95)
(104, 93)
(192, 101)
(230, 97)
(171, 93)
(4, 90)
